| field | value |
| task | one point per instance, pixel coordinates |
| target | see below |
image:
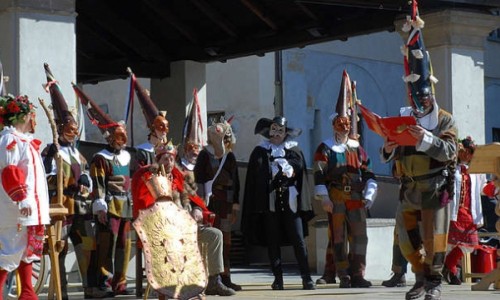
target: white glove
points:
(327, 203)
(368, 203)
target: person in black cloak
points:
(274, 212)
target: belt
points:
(408, 179)
(357, 187)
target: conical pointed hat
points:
(148, 107)
(193, 127)
(62, 115)
(418, 68)
(96, 115)
(345, 97)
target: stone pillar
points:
(456, 40)
(174, 95)
(35, 32)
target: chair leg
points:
(139, 271)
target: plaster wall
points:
(243, 88)
(24, 52)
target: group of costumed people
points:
(184, 200)
(98, 199)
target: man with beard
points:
(23, 193)
(110, 173)
(346, 186)
(77, 185)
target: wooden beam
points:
(307, 11)
(91, 69)
(259, 13)
(217, 18)
(171, 18)
(124, 30)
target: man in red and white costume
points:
(23, 193)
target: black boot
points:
(397, 279)
(307, 283)
(360, 282)
(216, 287)
(226, 279)
(418, 289)
(278, 283)
(432, 289)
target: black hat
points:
(417, 62)
(264, 124)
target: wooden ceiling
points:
(148, 35)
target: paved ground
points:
(256, 285)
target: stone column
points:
(35, 32)
(455, 40)
(174, 95)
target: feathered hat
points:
(193, 127)
(96, 115)
(417, 62)
(62, 115)
(264, 124)
(149, 109)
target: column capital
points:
(453, 27)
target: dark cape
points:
(257, 189)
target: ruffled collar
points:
(340, 147)
(278, 150)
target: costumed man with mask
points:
(110, 173)
(182, 274)
(426, 171)
(273, 203)
(156, 121)
(207, 234)
(23, 193)
(216, 173)
(77, 185)
(346, 186)
(158, 126)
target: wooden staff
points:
(57, 213)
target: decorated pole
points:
(57, 214)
